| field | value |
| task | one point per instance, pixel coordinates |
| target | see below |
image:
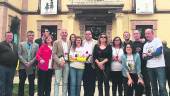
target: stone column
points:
(119, 24)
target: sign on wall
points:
(48, 7)
(144, 6)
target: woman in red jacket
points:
(44, 58)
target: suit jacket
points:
(57, 52)
(8, 57)
(23, 54)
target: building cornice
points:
(10, 6)
(156, 11)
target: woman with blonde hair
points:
(102, 55)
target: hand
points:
(62, 63)
(140, 81)
(144, 55)
(142, 40)
(114, 58)
(149, 54)
(101, 66)
(42, 61)
(130, 82)
(27, 64)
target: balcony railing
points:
(96, 2)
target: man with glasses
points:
(27, 52)
(8, 62)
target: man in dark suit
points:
(8, 62)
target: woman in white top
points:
(77, 58)
(116, 66)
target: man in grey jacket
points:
(27, 52)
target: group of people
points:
(127, 64)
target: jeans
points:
(89, 79)
(61, 74)
(146, 80)
(6, 80)
(44, 82)
(168, 76)
(22, 78)
(76, 76)
(158, 74)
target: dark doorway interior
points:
(142, 28)
(52, 29)
(96, 30)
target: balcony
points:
(95, 4)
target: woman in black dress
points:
(102, 55)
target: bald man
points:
(60, 57)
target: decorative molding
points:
(49, 22)
(118, 15)
(84, 23)
(143, 22)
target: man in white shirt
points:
(89, 77)
(60, 57)
(153, 53)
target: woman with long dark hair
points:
(72, 39)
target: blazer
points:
(23, 54)
(137, 60)
(57, 52)
(8, 57)
(44, 52)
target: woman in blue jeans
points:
(77, 58)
